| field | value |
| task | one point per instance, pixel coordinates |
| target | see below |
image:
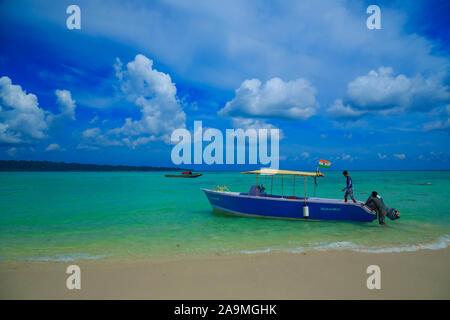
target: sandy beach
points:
(421, 274)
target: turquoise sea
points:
(64, 216)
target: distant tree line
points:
(22, 165)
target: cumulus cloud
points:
(400, 156)
(275, 98)
(93, 137)
(154, 93)
(383, 92)
(338, 110)
(54, 147)
(249, 123)
(21, 119)
(66, 103)
(382, 156)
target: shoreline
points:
(442, 242)
(333, 274)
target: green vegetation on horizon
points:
(22, 165)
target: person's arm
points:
(369, 199)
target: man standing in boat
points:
(348, 188)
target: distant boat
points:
(258, 203)
(185, 174)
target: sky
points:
(113, 91)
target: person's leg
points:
(351, 195)
(381, 217)
(346, 195)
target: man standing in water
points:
(375, 202)
(348, 188)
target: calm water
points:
(85, 215)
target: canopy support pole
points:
(305, 190)
(271, 185)
(294, 186)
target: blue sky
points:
(114, 91)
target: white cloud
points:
(275, 98)
(154, 93)
(94, 137)
(382, 156)
(400, 156)
(66, 103)
(347, 157)
(249, 123)
(246, 37)
(93, 120)
(54, 147)
(91, 133)
(338, 110)
(437, 125)
(323, 136)
(305, 155)
(21, 119)
(83, 146)
(382, 91)
(442, 124)
(434, 156)
(11, 152)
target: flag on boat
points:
(324, 163)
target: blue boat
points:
(258, 203)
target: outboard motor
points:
(393, 214)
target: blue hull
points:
(284, 208)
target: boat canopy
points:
(272, 172)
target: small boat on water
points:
(185, 174)
(258, 203)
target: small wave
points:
(65, 257)
(442, 243)
(257, 251)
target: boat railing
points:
(221, 188)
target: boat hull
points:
(285, 208)
(195, 175)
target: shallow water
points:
(65, 216)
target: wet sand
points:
(421, 274)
